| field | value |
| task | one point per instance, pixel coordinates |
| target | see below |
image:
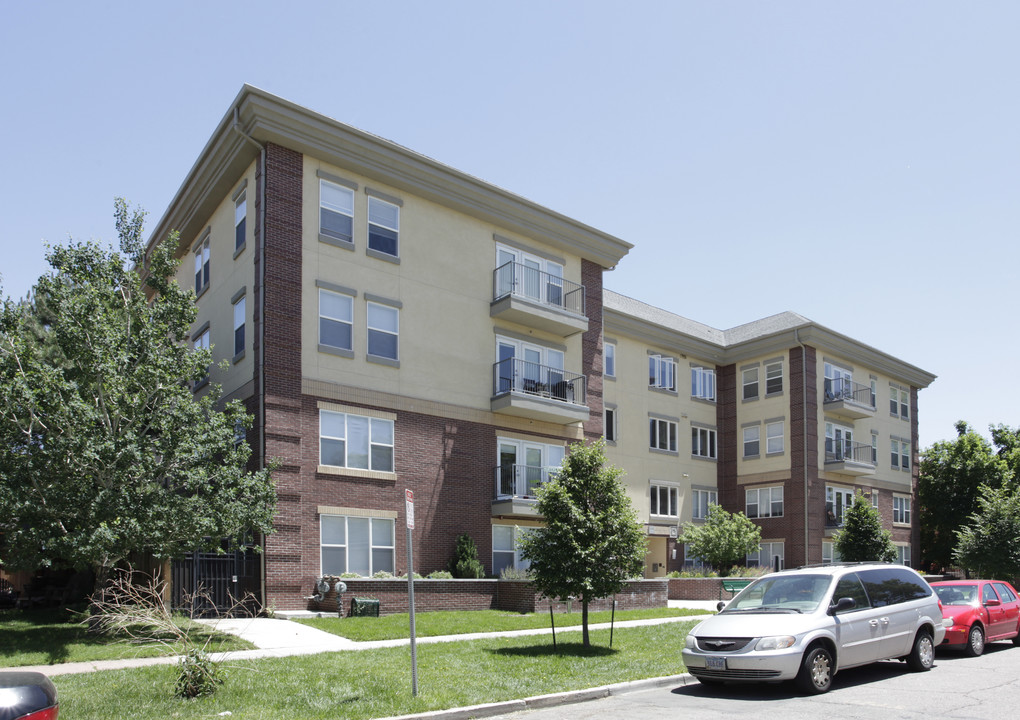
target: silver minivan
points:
(806, 624)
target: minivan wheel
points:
(975, 641)
(815, 674)
(922, 655)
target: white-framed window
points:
(874, 498)
(336, 320)
(703, 382)
(534, 369)
(609, 424)
(383, 322)
(839, 442)
(662, 372)
(692, 562)
(533, 277)
(661, 434)
(905, 410)
(874, 448)
(700, 502)
(355, 441)
(838, 382)
(899, 402)
(202, 267)
(752, 441)
(664, 500)
(903, 554)
(774, 438)
(764, 502)
(609, 359)
(505, 553)
(749, 381)
(829, 553)
(901, 510)
(874, 392)
(350, 544)
(525, 465)
(770, 554)
(383, 226)
(240, 219)
(837, 501)
(773, 377)
(336, 211)
(703, 442)
(201, 342)
(239, 315)
(900, 454)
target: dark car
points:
(982, 611)
(27, 696)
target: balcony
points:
(848, 399)
(517, 488)
(529, 296)
(848, 458)
(539, 392)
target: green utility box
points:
(364, 607)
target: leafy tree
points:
(862, 538)
(591, 543)
(950, 477)
(465, 562)
(723, 540)
(990, 544)
(104, 449)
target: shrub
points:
(197, 676)
(465, 563)
(512, 573)
(382, 575)
(440, 575)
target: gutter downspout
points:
(803, 407)
(262, 315)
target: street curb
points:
(545, 701)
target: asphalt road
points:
(957, 687)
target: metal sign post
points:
(409, 508)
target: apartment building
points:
(394, 324)
(781, 418)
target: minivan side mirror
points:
(844, 603)
(720, 606)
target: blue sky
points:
(856, 163)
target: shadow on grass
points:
(547, 650)
(46, 632)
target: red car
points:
(981, 610)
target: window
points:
(750, 383)
(703, 442)
(336, 211)
(383, 226)
(900, 454)
(240, 216)
(692, 561)
(239, 326)
(770, 554)
(874, 448)
(837, 501)
(901, 510)
(664, 501)
(535, 278)
(533, 369)
(904, 403)
(1005, 593)
(874, 498)
(662, 372)
(774, 438)
(703, 383)
(700, 502)
(524, 466)
(201, 342)
(362, 545)
(752, 441)
(764, 502)
(609, 359)
(336, 320)
(903, 554)
(201, 267)
(899, 402)
(609, 425)
(504, 549)
(355, 441)
(838, 383)
(382, 330)
(831, 555)
(773, 377)
(874, 393)
(661, 434)
(839, 445)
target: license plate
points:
(715, 663)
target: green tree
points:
(104, 449)
(591, 543)
(950, 478)
(723, 540)
(862, 538)
(465, 562)
(989, 545)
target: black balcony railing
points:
(837, 389)
(527, 282)
(846, 451)
(530, 378)
(522, 481)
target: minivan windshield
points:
(782, 593)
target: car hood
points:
(753, 624)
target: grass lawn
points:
(47, 637)
(390, 627)
(377, 683)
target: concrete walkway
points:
(282, 638)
